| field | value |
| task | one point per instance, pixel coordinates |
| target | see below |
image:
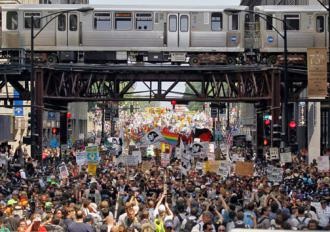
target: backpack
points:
(301, 223)
(189, 225)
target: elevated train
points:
(196, 34)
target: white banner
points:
(286, 157)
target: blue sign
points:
(54, 143)
(270, 39)
(18, 105)
(234, 38)
(51, 116)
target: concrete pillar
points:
(314, 130)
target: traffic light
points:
(267, 131)
(29, 123)
(292, 132)
(131, 109)
(173, 103)
(277, 135)
(69, 121)
(107, 114)
(54, 131)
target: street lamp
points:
(32, 77)
(284, 37)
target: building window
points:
(292, 22)
(61, 22)
(27, 20)
(11, 20)
(269, 23)
(234, 22)
(143, 21)
(184, 23)
(173, 23)
(216, 22)
(123, 21)
(320, 23)
(102, 21)
(73, 22)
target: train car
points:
(168, 32)
(306, 28)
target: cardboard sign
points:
(274, 153)
(92, 169)
(81, 158)
(93, 155)
(323, 163)
(286, 157)
(64, 173)
(244, 168)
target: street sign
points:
(273, 153)
(18, 105)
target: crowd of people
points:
(159, 199)
(35, 197)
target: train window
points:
(184, 23)
(320, 23)
(216, 22)
(11, 20)
(61, 25)
(73, 22)
(292, 22)
(102, 21)
(123, 21)
(234, 22)
(27, 20)
(173, 23)
(269, 23)
(143, 21)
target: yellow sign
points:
(212, 166)
(317, 72)
(92, 169)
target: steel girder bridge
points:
(58, 84)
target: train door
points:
(67, 32)
(178, 30)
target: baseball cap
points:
(169, 224)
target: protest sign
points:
(131, 160)
(165, 159)
(93, 155)
(212, 166)
(81, 158)
(323, 163)
(199, 166)
(224, 168)
(64, 173)
(274, 174)
(138, 155)
(244, 168)
(92, 169)
(286, 157)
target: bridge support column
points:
(39, 109)
(314, 131)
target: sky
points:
(220, 2)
